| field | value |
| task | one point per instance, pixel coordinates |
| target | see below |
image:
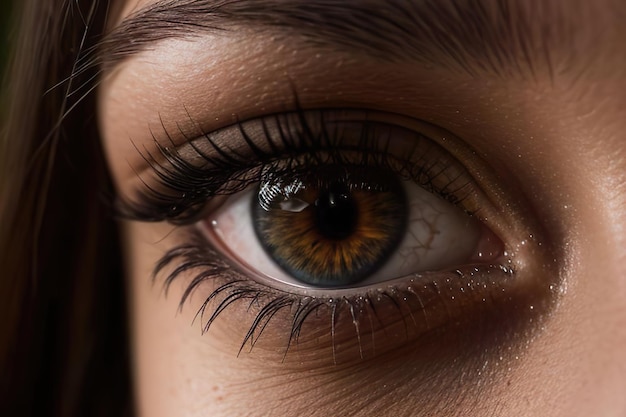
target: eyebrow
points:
(501, 37)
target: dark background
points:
(5, 29)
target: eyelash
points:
(233, 286)
(187, 187)
(183, 189)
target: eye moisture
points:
(352, 222)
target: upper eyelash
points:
(185, 186)
(199, 184)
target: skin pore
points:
(538, 127)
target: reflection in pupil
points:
(336, 212)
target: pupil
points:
(336, 213)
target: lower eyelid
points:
(340, 327)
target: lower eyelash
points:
(421, 303)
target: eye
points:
(339, 226)
(320, 226)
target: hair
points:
(63, 332)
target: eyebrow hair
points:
(501, 37)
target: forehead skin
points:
(560, 132)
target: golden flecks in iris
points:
(295, 242)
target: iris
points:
(331, 227)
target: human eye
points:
(347, 233)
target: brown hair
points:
(63, 337)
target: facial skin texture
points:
(558, 131)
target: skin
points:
(560, 141)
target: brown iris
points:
(335, 227)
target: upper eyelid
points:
(187, 139)
(179, 189)
(194, 147)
